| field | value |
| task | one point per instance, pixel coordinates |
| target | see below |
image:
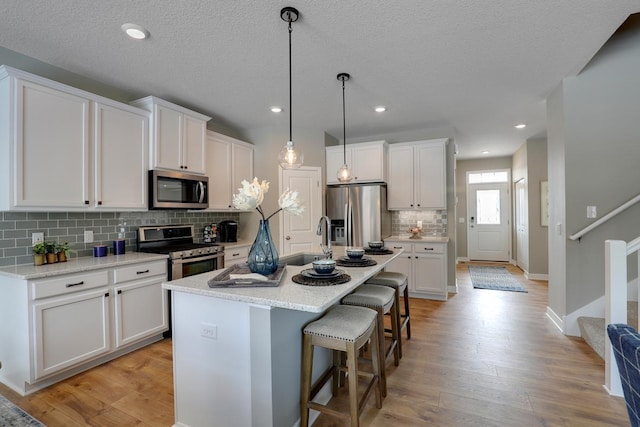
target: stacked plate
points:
(345, 261)
(310, 273)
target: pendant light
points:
(344, 173)
(288, 157)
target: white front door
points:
(522, 227)
(488, 220)
(298, 233)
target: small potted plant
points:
(62, 249)
(52, 257)
(39, 250)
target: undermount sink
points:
(302, 258)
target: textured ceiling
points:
(478, 67)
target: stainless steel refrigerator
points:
(358, 213)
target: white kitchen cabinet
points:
(65, 149)
(228, 162)
(425, 265)
(235, 254)
(417, 175)
(121, 141)
(367, 161)
(64, 324)
(140, 302)
(177, 136)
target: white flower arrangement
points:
(251, 195)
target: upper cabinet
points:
(228, 162)
(367, 162)
(417, 175)
(65, 149)
(178, 136)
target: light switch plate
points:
(37, 238)
(88, 236)
(592, 212)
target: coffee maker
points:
(228, 231)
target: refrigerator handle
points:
(349, 221)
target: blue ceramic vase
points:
(263, 256)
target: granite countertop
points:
(289, 294)
(425, 238)
(76, 265)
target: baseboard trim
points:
(534, 276)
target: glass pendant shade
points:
(289, 158)
(344, 173)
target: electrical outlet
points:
(37, 238)
(208, 330)
(88, 236)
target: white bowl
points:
(324, 266)
(355, 253)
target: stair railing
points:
(605, 218)
(616, 253)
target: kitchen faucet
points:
(326, 249)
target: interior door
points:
(522, 226)
(298, 233)
(488, 221)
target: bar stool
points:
(399, 282)
(382, 300)
(342, 329)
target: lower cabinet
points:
(235, 254)
(425, 265)
(65, 324)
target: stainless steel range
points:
(186, 258)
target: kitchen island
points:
(236, 352)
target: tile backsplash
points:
(434, 223)
(16, 229)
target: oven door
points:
(186, 267)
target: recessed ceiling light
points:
(485, 152)
(520, 126)
(380, 109)
(275, 109)
(135, 31)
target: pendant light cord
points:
(344, 128)
(290, 85)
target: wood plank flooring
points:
(483, 358)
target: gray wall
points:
(594, 121)
(463, 166)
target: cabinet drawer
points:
(67, 284)
(428, 248)
(399, 245)
(232, 254)
(139, 271)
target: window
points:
(487, 177)
(488, 207)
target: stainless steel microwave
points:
(177, 190)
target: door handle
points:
(288, 238)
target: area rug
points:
(12, 416)
(497, 278)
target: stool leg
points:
(375, 364)
(352, 376)
(337, 374)
(395, 332)
(398, 323)
(381, 351)
(305, 380)
(406, 310)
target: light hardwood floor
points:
(483, 358)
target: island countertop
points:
(288, 295)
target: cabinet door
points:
(140, 310)
(430, 177)
(193, 158)
(52, 152)
(218, 155)
(429, 273)
(166, 150)
(68, 330)
(368, 163)
(401, 179)
(120, 152)
(242, 165)
(334, 160)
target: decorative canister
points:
(100, 250)
(118, 247)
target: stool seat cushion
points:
(373, 296)
(344, 323)
(389, 278)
